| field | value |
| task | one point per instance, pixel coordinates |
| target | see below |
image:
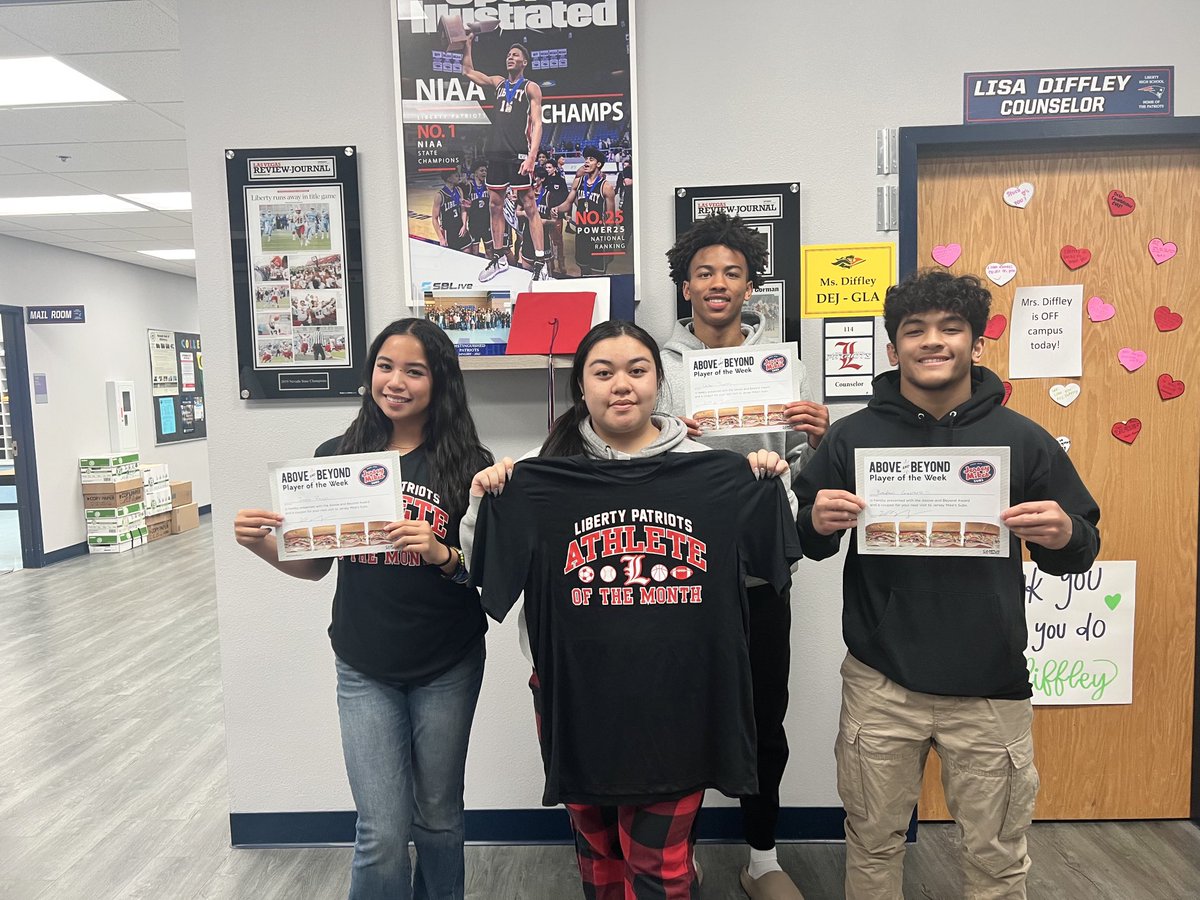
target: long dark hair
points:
(449, 436)
(564, 438)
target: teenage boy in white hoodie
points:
(718, 262)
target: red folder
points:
(536, 315)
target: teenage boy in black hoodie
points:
(937, 644)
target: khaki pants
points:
(986, 749)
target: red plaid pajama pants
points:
(633, 852)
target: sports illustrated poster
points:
(773, 210)
(297, 271)
(517, 137)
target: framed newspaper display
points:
(297, 271)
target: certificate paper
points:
(741, 389)
(336, 505)
(933, 501)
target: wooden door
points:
(1104, 762)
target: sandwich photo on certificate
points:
(706, 419)
(298, 540)
(881, 534)
(377, 534)
(912, 534)
(352, 534)
(945, 534)
(983, 535)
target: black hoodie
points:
(945, 624)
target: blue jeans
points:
(406, 752)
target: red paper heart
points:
(1075, 257)
(1119, 204)
(1168, 387)
(1167, 320)
(995, 327)
(1007, 393)
(1128, 431)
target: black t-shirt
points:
(395, 618)
(633, 573)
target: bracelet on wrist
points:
(460, 574)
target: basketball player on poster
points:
(512, 151)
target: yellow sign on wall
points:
(841, 280)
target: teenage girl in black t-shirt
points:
(615, 381)
(407, 629)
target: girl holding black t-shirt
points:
(615, 380)
(407, 630)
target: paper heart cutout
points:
(1167, 320)
(1001, 273)
(1099, 310)
(1007, 393)
(1127, 431)
(1075, 257)
(1064, 442)
(1112, 600)
(1119, 204)
(1161, 251)
(1064, 394)
(1019, 195)
(1169, 388)
(995, 327)
(1131, 359)
(947, 254)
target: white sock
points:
(762, 862)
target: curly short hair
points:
(928, 289)
(728, 231)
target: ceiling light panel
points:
(44, 81)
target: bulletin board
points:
(177, 387)
(1133, 429)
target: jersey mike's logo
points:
(776, 362)
(977, 472)
(373, 474)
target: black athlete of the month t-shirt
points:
(634, 580)
(395, 618)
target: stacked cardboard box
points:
(112, 502)
(156, 483)
(185, 515)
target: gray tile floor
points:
(112, 770)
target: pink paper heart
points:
(1160, 252)
(946, 254)
(1099, 310)
(1131, 359)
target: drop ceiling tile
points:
(146, 219)
(13, 167)
(102, 235)
(15, 226)
(58, 223)
(140, 181)
(91, 122)
(181, 235)
(13, 45)
(146, 76)
(179, 215)
(56, 238)
(80, 157)
(151, 154)
(38, 184)
(93, 27)
(171, 111)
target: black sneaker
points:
(497, 264)
(541, 272)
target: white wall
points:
(770, 91)
(121, 301)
